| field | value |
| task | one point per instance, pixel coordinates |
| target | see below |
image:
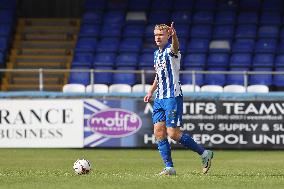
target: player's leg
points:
(160, 133)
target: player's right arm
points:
(151, 91)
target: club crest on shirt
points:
(160, 65)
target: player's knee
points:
(174, 134)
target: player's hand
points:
(148, 97)
(172, 30)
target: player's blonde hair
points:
(162, 27)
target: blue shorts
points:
(168, 110)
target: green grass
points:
(130, 169)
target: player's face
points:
(161, 37)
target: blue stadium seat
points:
(223, 32)
(124, 78)
(80, 78)
(182, 30)
(111, 30)
(280, 48)
(261, 79)
(243, 46)
(127, 59)
(182, 45)
(225, 17)
(183, 5)
(272, 5)
(103, 77)
(132, 30)
(203, 17)
(90, 30)
(91, 5)
(194, 60)
(108, 45)
(248, 18)
(2, 62)
(114, 17)
(92, 17)
(205, 5)
(117, 5)
(138, 5)
(146, 60)
(218, 60)
(268, 31)
(149, 45)
(279, 61)
(5, 30)
(159, 17)
(181, 17)
(104, 59)
(149, 31)
(251, 5)
(270, 18)
(82, 60)
(227, 5)
(187, 78)
(164, 5)
(198, 46)
(263, 60)
(236, 79)
(278, 79)
(201, 31)
(282, 33)
(8, 4)
(215, 79)
(130, 45)
(241, 60)
(266, 46)
(3, 44)
(86, 45)
(246, 31)
(7, 16)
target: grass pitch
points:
(131, 169)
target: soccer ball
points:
(82, 166)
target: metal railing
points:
(191, 73)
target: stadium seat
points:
(234, 89)
(270, 18)
(119, 88)
(280, 49)
(104, 59)
(114, 17)
(227, 5)
(103, 77)
(132, 30)
(86, 45)
(82, 59)
(108, 45)
(182, 30)
(279, 61)
(247, 31)
(190, 88)
(209, 5)
(130, 45)
(243, 60)
(203, 17)
(257, 89)
(236, 79)
(223, 32)
(181, 17)
(211, 88)
(183, 5)
(263, 79)
(266, 46)
(215, 79)
(149, 31)
(248, 17)
(198, 46)
(127, 59)
(243, 46)
(251, 5)
(79, 77)
(140, 88)
(3, 44)
(79, 88)
(218, 60)
(111, 30)
(136, 17)
(97, 88)
(272, 5)
(149, 45)
(138, 5)
(117, 5)
(278, 79)
(268, 32)
(8, 4)
(219, 46)
(91, 5)
(7, 16)
(5, 30)
(225, 17)
(201, 31)
(124, 78)
(156, 17)
(90, 30)
(146, 59)
(186, 78)
(263, 60)
(92, 17)
(163, 5)
(194, 59)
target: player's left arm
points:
(175, 42)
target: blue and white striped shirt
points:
(167, 66)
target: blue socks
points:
(165, 151)
(188, 142)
